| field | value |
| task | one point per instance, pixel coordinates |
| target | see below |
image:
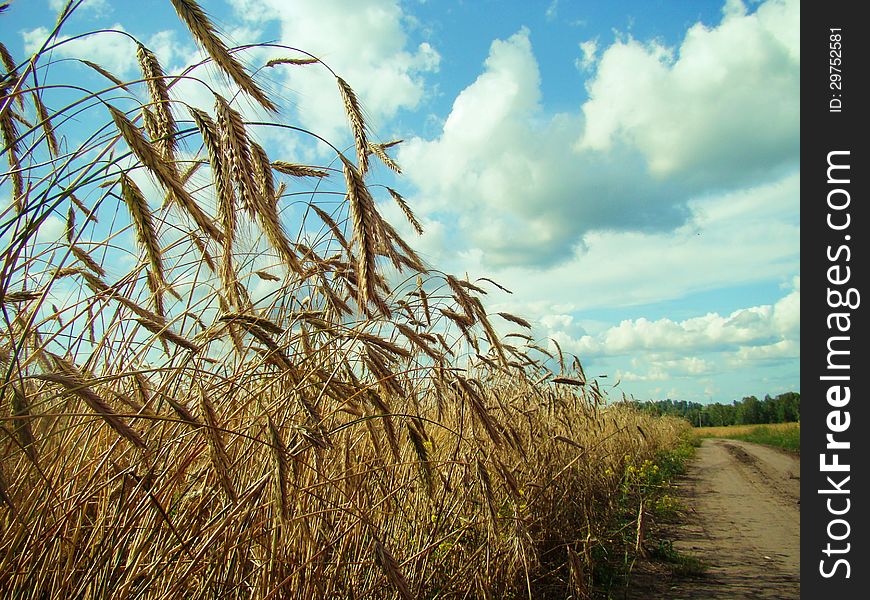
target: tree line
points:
(784, 408)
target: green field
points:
(780, 435)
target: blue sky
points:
(629, 169)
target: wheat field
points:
(226, 375)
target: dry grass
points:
(780, 435)
(739, 430)
(312, 417)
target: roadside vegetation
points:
(226, 374)
(780, 435)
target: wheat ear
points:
(21, 412)
(11, 70)
(87, 260)
(235, 145)
(357, 124)
(146, 232)
(282, 471)
(222, 177)
(515, 319)
(159, 92)
(167, 176)
(390, 566)
(365, 221)
(205, 33)
(218, 452)
(378, 150)
(10, 142)
(291, 61)
(71, 378)
(164, 333)
(45, 122)
(105, 73)
(298, 170)
(407, 210)
(267, 209)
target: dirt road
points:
(744, 523)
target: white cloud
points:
(363, 41)
(781, 350)
(748, 331)
(727, 100)
(589, 48)
(667, 370)
(732, 239)
(98, 7)
(522, 191)
(114, 52)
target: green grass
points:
(779, 435)
(681, 563)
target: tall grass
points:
(225, 374)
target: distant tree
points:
(748, 411)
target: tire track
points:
(743, 522)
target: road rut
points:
(743, 522)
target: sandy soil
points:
(744, 523)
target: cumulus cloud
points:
(695, 110)
(738, 238)
(662, 126)
(363, 40)
(509, 177)
(727, 101)
(756, 330)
